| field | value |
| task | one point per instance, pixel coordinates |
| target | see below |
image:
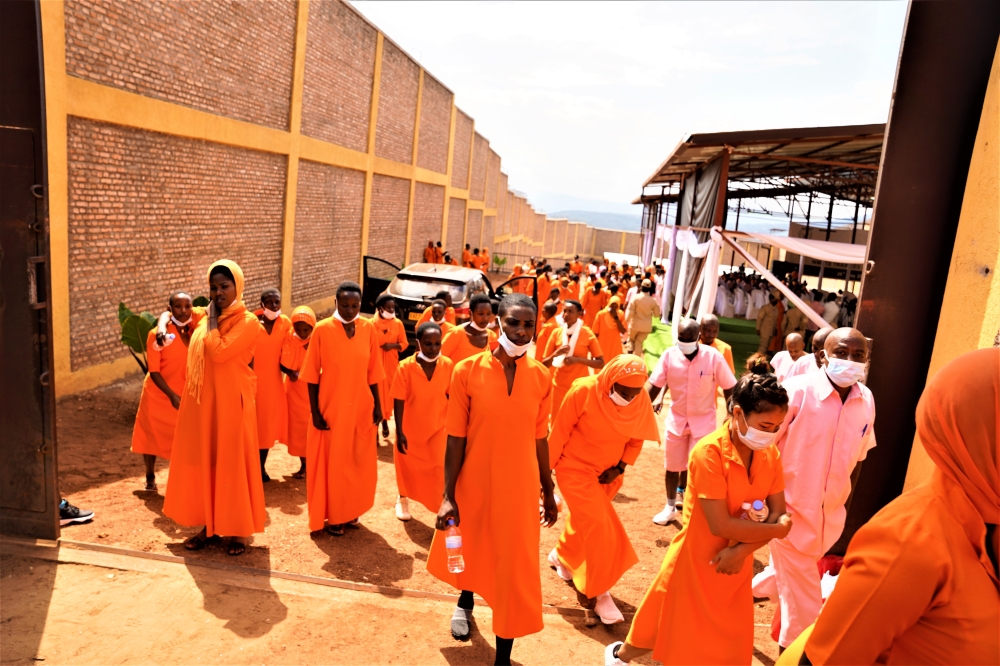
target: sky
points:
(583, 100)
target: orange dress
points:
(593, 304)
(466, 258)
(156, 419)
(430, 255)
(563, 377)
(389, 330)
(590, 435)
(727, 351)
(449, 317)
(608, 335)
(544, 285)
(272, 404)
(293, 354)
(692, 614)
(457, 347)
(420, 472)
(542, 339)
(498, 488)
(214, 467)
(342, 470)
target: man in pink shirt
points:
(692, 372)
(782, 362)
(827, 432)
(808, 362)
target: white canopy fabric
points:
(840, 253)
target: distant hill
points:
(601, 220)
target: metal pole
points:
(829, 218)
(822, 266)
(732, 258)
(802, 258)
(857, 205)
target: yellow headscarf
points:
(196, 349)
(636, 420)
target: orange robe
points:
(438, 255)
(542, 339)
(498, 488)
(214, 466)
(608, 335)
(430, 255)
(466, 258)
(389, 330)
(341, 475)
(478, 262)
(293, 355)
(544, 285)
(156, 419)
(727, 351)
(691, 614)
(592, 305)
(272, 404)
(449, 317)
(563, 377)
(457, 347)
(583, 444)
(576, 267)
(420, 472)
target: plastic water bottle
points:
(167, 341)
(758, 511)
(453, 544)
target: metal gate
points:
(29, 498)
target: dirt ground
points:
(97, 471)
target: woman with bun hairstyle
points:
(699, 609)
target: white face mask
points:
(619, 399)
(386, 315)
(756, 439)
(427, 359)
(687, 347)
(178, 322)
(844, 373)
(336, 315)
(513, 350)
(272, 314)
(474, 325)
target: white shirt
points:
(782, 363)
(821, 441)
(830, 312)
(692, 387)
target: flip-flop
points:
(197, 542)
(335, 530)
(299, 475)
(236, 548)
(354, 524)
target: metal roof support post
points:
(802, 259)
(829, 217)
(857, 205)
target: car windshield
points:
(407, 286)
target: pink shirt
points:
(805, 365)
(781, 362)
(692, 387)
(821, 441)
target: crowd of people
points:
(478, 258)
(226, 384)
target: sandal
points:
(197, 542)
(236, 548)
(301, 474)
(354, 524)
(335, 530)
(385, 430)
(150, 483)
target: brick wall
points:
(428, 210)
(606, 240)
(480, 153)
(492, 175)
(538, 228)
(489, 231)
(474, 230)
(328, 208)
(460, 151)
(456, 228)
(387, 223)
(242, 52)
(138, 206)
(397, 105)
(435, 124)
(340, 69)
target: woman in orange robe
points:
(293, 355)
(391, 341)
(919, 583)
(153, 434)
(472, 337)
(699, 609)
(272, 405)
(593, 438)
(420, 393)
(214, 466)
(492, 480)
(571, 364)
(549, 325)
(343, 369)
(594, 300)
(608, 327)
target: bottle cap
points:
(758, 505)
(746, 506)
(451, 521)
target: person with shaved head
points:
(813, 362)
(827, 433)
(795, 348)
(692, 372)
(710, 336)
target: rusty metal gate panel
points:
(29, 495)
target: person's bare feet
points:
(198, 541)
(335, 530)
(237, 546)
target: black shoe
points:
(70, 514)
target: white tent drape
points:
(839, 253)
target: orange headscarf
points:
(958, 420)
(615, 299)
(635, 420)
(196, 347)
(304, 313)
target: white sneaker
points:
(665, 516)
(561, 569)
(609, 655)
(680, 498)
(403, 508)
(607, 610)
